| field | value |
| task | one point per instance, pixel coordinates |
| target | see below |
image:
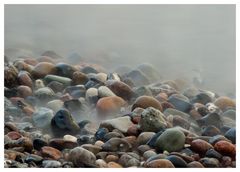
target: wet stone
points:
(61, 144)
(200, 146)
(211, 153)
(195, 164)
(160, 163)
(144, 137)
(177, 161)
(202, 98)
(127, 161)
(230, 113)
(180, 104)
(51, 164)
(147, 101)
(42, 117)
(210, 162)
(211, 119)
(224, 102)
(33, 158)
(210, 131)
(116, 144)
(225, 148)
(65, 70)
(50, 152)
(39, 143)
(64, 80)
(231, 135)
(149, 153)
(170, 140)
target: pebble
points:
(210, 131)
(39, 143)
(149, 153)
(120, 123)
(211, 119)
(230, 113)
(116, 144)
(147, 101)
(224, 102)
(202, 98)
(51, 164)
(81, 157)
(211, 153)
(180, 103)
(79, 78)
(170, 140)
(195, 164)
(152, 120)
(113, 165)
(138, 77)
(200, 146)
(42, 69)
(33, 158)
(160, 163)
(112, 158)
(63, 80)
(55, 105)
(70, 138)
(175, 112)
(65, 70)
(61, 144)
(50, 152)
(127, 160)
(231, 135)
(104, 91)
(24, 91)
(101, 163)
(13, 135)
(108, 105)
(210, 162)
(177, 161)
(42, 117)
(225, 148)
(144, 137)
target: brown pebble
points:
(114, 165)
(25, 79)
(133, 130)
(226, 161)
(24, 91)
(160, 163)
(14, 135)
(200, 146)
(112, 158)
(42, 69)
(147, 101)
(79, 78)
(51, 153)
(110, 104)
(225, 148)
(195, 164)
(224, 102)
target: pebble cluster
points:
(62, 115)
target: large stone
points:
(145, 102)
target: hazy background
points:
(177, 39)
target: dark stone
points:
(153, 140)
(211, 119)
(177, 161)
(86, 139)
(231, 135)
(89, 69)
(65, 70)
(211, 153)
(210, 131)
(180, 104)
(39, 143)
(202, 98)
(101, 133)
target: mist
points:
(176, 39)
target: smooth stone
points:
(195, 164)
(150, 71)
(108, 105)
(224, 102)
(42, 69)
(179, 103)
(120, 89)
(211, 119)
(116, 144)
(154, 138)
(52, 54)
(88, 69)
(145, 102)
(92, 148)
(127, 160)
(24, 78)
(228, 122)
(73, 105)
(200, 146)
(79, 78)
(138, 77)
(170, 140)
(149, 153)
(13, 135)
(65, 70)
(39, 143)
(210, 131)
(50, 152)
(61, 144)
(101, 132)
(144, 137)
(56, 86)
(225, 148)
(152, 120)
(76, 91)
(24, 91)
(101, 77)
(92, 95)
(112, 158)
(112, 135)
(51, 164)
(99, 143)
(42, 117)
(24, 143)
(177, 161)
(160, 163)
(33, 158)
(171, 111)
(44, 93)
(231, 135)
(143, 148)
(190, 92)
(120, 123)
(70, 138)
(64, 80)
(104, 91)
(113, 165)
(86, 139)
(211, 153)
(179, 121)
(81, 157)
(226, 161)
(133, 130)
(55, 105)
(202, 98)
(210, 162)
(141, 91)
(230, 113)
(101, 163)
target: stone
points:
(177, 161)
(120, 89)
(200, 146)
(143, 90)
(50, 152)
(179, 103)
(127, 160)
(231, 135)
(113, 165)
(202, 98)
(211, 153)
(144, 137)
(24, 91)
(112, 158)
(147, 101)
(39, 143)
(61, 144)
(210, 162)
(149, 153)
(230, 113)
(210, 131)
(175, 112)
(104, 91)
(211, 119)
(224, 102)
(65, 70)
(195, 164)
(108, 105)
(63, 80)
(170, 140)
(92, 148)
(179, 121)
(79, 78)
(120, 123)
(42, 69)
(81, 157)
(225, 148)
(116, 144)
(13, 135)
(217, 138)
(101, 163)
(160, 163)
(51, 164)
(138, 77)
(42, 117)
(152, 120)
(56, 86)
(33, 158)
(70, 138)
(55, 105)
